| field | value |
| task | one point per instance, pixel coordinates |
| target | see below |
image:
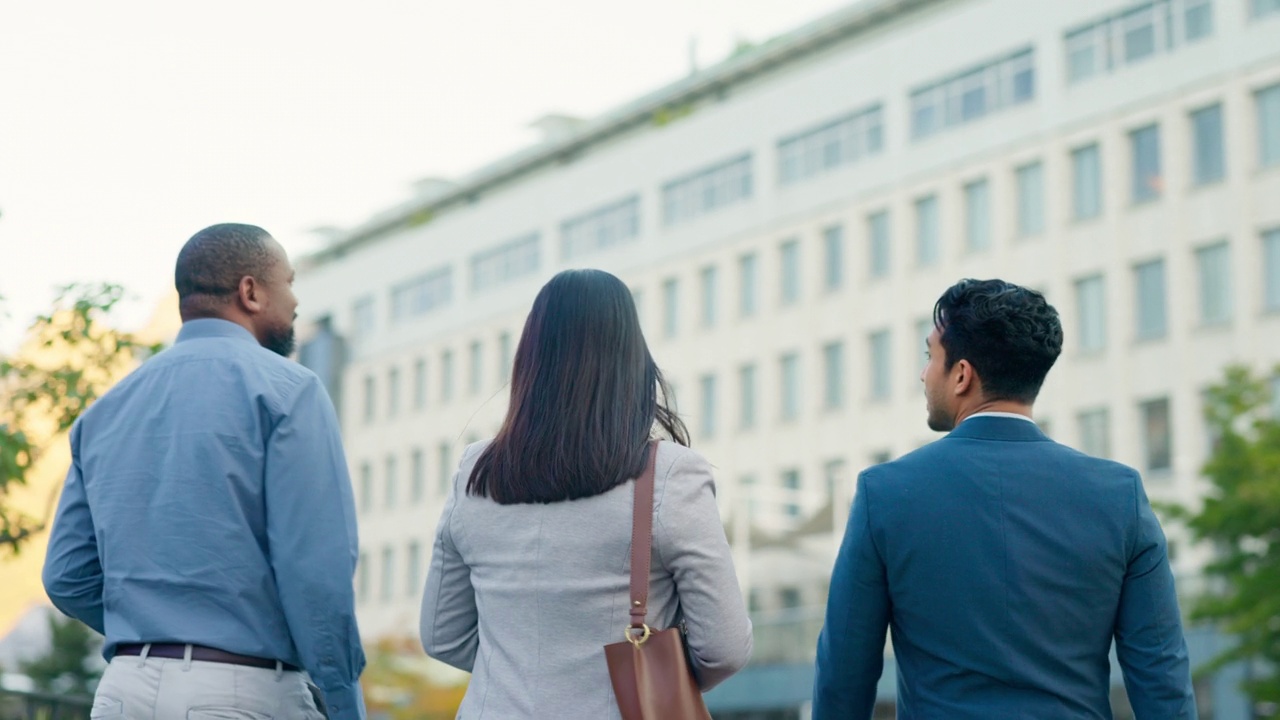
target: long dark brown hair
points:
(585, 397)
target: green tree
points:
(1240, 516)
(66, 668)
(69, 357)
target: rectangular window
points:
(421, 295)
(1095, 432)
(881, 365)
(393, 392)
(833, 473)
(747, 285)
(789, 369)
(821, 149)
(363, 319)
(928, 227)
(388, 574)
(973, 93)
(505, 357)
(1214, 263)
(1268, 101)
(506, 263)
(446, 375)
(445, 468)
(601, 228)
(833, 257)
(366, 487)
(707, 190)
(791, 479)
(1030, 180)
(1092, 309)
(1157, 434)
(1147, 181)
(391, 496)
(878, 242)
(789, 269)
(370, 399)
(707, 423)
(670, 307)
(1138, 33)
(362, 578)
(475, 378)
(413, 576)
(1150, 285)
(1209, 164)
(833, 375)
(418, 482)
(1198, 17)
(1086, 164)
(747, 397)
(1087, 52)
(1271, 269)
(419, 384)
(709, 291)
(977, 212)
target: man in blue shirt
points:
(1005, 564)
(207, 525)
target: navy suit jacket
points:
(1005, 565)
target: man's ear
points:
(249, 295)
(964, 376)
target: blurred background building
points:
(786, 220)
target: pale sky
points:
(126, 126)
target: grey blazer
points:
(526, 596)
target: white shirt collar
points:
(1000, 414)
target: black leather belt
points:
(178, 651)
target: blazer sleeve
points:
(1150, 644)
(851, 646)
(449, 623)
(691, 544)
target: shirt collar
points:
(1000, 414)
(214, 328)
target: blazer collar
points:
(999, 428)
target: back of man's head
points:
(212, 263)
(1009, 334)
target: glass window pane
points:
(878, 232)
(1087, 182)
(1147, 182)
(1031, 220)
(977, 201)
(1209, 157)
(1092, 314)
(1150, 300)
(1215, 288)
(928, 244)
(1268, 101)
(1271, 269)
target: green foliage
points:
(66, 668)
(69, 359)
(1241, 518)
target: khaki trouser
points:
(147, 688)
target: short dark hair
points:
(585, 396)
(212, 263)
(1010, 335)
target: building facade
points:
(786, 220)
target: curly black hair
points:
(1009, 334)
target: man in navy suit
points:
(1005, 563)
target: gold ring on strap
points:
(630, 633)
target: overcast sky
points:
(127, 126)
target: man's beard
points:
(939, 420)
(280, 340)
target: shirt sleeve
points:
(311, 533)
(692, 546)
(1150, 644)
(851, 646)
(449, 623)
(72, 570)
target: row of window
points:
(413, 574)
(395, 394)
(1150, 287)
(1134, 34)
(391, 497)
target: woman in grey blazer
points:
(529, 576)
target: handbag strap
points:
(642, 539)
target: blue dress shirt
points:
(208, 502)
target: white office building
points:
(786, 220)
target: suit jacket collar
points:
(999, 428)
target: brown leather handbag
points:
(650, 671)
